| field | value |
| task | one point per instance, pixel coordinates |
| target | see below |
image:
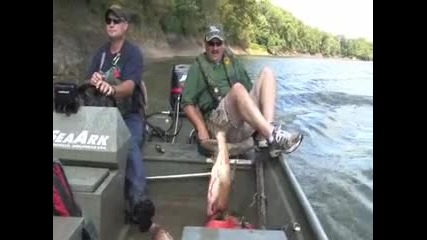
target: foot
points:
(142, 214)
(260, 140)
(284, 142)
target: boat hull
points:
(181, 199)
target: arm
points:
(124, 89)
(192, 89)
(130, 76)
(195, 116)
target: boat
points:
(265, 193)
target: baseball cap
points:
(118, 12)
(214, 31)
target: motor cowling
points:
(179, 75)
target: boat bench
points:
(67, 228)
(200, 233)
(188, 153)
(93, 146)
(169, 159)
(99, 193)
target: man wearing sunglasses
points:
(218, 93)
(116, 71)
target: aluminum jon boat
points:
(264, 192)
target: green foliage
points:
(248, 23)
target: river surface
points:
(331, 102)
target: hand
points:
(203, 134)
(105, 88)
(96, 78)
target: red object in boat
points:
(228, 222)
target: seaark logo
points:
(81, 140)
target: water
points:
(331, 102)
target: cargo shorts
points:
(227, 118)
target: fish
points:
(158, 232)
(220, 181)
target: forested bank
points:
(251, 24)
(166, 28)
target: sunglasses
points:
(214, 43)
(115, 21)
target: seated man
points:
(218, 89)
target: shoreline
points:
(155, 53)
(72, 63)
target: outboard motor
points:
(179, 75)
(178, 78)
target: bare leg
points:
(249, 110)
(264, 93)
(257, 110)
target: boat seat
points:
(199, 233)
(67, 228)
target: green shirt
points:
(196, 91)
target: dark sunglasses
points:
(214, 43)
(115, 21)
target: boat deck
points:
(264, 191)
(182, 202)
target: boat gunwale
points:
(306, 206)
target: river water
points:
(331, 102)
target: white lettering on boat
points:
(81, 140)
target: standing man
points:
(116, 70)
(219, 92)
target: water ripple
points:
(331, 103)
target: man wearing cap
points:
(116, 71)
(218, 93)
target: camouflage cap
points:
(214, 31)
(118, 12)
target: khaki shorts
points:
(227, 116)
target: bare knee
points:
(237, 87)
(238, 91)
(267, 72)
